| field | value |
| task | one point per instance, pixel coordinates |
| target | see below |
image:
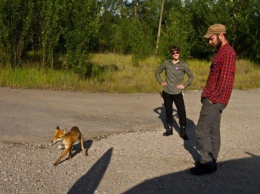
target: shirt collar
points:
(223, 47)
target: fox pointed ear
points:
(58, 128)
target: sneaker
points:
(201, 169)
(197, 163)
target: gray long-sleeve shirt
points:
(174, 75)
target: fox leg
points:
(82, 147)
(70, 152)
(62, 155)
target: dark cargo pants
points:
(208, 130)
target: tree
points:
(14, 26)
(177, 31)
(245, 28)
(75, 28)
(51, 29)
(160, 24)
(80, 31)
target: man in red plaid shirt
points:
(214, 98)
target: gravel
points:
(140, 160)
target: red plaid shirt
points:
(221, 76)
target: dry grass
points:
(124, 77)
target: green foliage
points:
(241, 19)
(42, 31)
(176, 32)
(79, 33)
(140, 41)
(15, 21)
(246, 28)
(50, 30)
(48, 27)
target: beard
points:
(218, 44)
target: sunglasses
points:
(175, 52)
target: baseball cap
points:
(215, 29)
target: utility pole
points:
(159, 28)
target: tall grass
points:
(247, 75)
(35, 78)
(116, 73)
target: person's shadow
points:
(89, 182)
(161, 115)
(190, 145)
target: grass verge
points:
(116, 73)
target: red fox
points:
(68, 139)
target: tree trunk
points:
(159, 28)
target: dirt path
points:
(139, 162)
(32, 115)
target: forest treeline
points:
(44, 32)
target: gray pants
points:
(208, 130)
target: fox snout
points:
(54, 142)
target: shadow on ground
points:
(77, 148)
(191, 145)
(234, 176)
(90, 181)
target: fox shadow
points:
(191, 145)
(77, 147)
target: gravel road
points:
(123, 135)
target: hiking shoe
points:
(201, 169)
